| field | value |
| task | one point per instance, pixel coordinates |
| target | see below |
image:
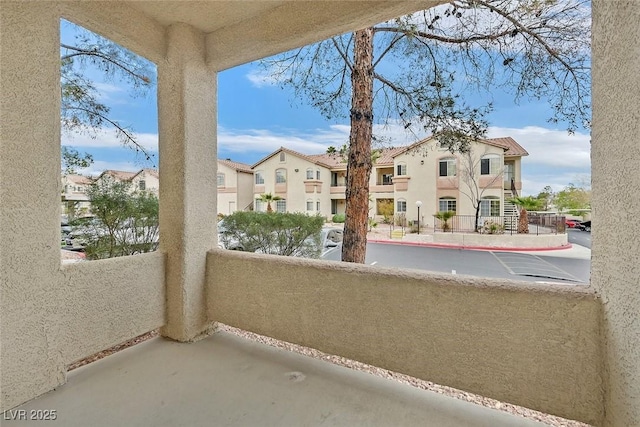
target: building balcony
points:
(382, 188)
(536, 346)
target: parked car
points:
(572, 223)
(584, 226)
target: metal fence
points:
(538, 224)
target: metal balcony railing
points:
(508, 224)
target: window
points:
(282, 156)
(387, 178)
(281, 176)
(309, 205)
(402, 169)
(448, 167)
(490, 165)
(318, 175)
(401, 206)
(446, 204)
(259, 206)
(509, 173)
(259, 178)
(281, 206)
(220, 180)
(318, 205)
(309, 173)
(490, 207)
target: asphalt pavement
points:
(570, 266)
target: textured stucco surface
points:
(51, 315)
(29, 200)
(615, 267)
(530, 345)
(188, 165)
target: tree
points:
(288, 234)
(545, 198)
(470, 165)
(82, 110)
(268, 198)
(573, 198)
(525, 204)
(124, 223)
(534, 48)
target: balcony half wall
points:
(531, 345)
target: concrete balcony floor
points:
(225, 380)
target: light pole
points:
(418, 204)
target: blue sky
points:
(255, 118)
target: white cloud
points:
(261, 78)
(548, 147)
(107, 138)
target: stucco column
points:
(615, 153)
(187, 114)
(29, 201)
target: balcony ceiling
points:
(244, 30)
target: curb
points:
(471, 248)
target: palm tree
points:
(444, 216)
(525, 204)
(268, 198)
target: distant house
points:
(142, 180)
(235, 186)
(74, 194)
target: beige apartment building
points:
(235, 186)
(422, 172)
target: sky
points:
(255, 118)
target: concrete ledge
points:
(533, 345)
(518, 241)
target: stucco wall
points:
(51, 315)
(537, 346)
(615, 268)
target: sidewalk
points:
(382, 234)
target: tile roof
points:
(152, 172)
(508, 143)
(311, 158)
(239, 167)
(78, 179)
(335, 161)
(121, 175)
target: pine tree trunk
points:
(354, 246)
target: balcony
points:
(230, 381)
(570, 351)
(458, 331)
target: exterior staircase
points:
(510, 212)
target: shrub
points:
(491, 227)
(338, 218)
(289, 234)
